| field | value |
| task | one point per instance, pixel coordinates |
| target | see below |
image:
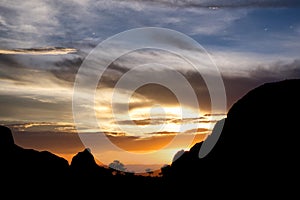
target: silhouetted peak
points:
(205, 147)
(259, 133)
(187, 155)
(269, 101)
(262, 123)
(177, 155)
(83, 159)
(6, 138)
(87, 150)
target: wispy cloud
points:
(161, 133)
(80, 23)
(39, 51)
(243, 64)
(156, 121)
(55, 127)
(198, 131)
(215, 4)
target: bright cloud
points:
(39, 51)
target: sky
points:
(46, 44)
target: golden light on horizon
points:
(144, 125)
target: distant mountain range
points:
(257, 154)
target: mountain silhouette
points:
(28, 162)
(26, 171)
(256, 153)
(84, 166)
(258, 144)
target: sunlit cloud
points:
(162, 133)
(39, 51)
(198, 131)
(41, 127)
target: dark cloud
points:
(13, 69)
(112, 74)
(236, 87)
(278, 69)
(17, 107)
(9, 64)
(66, 69)
(20, 67)
(197, 82)
(115, 134)
(123, 107)
(159, 94)
(214, 114)
(153, 95)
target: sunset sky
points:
(44, 43)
